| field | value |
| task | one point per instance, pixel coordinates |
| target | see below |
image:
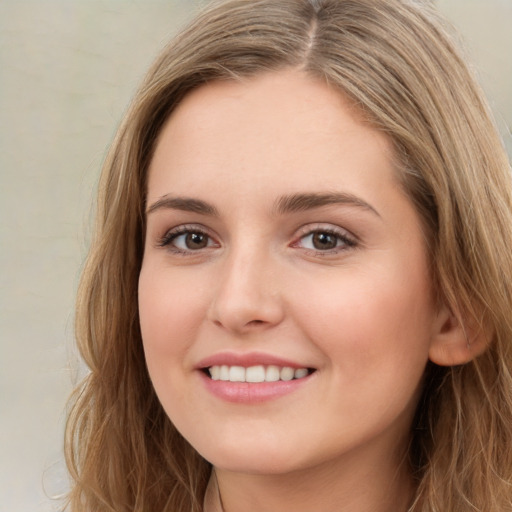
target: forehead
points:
(283, 127)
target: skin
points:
(361, 314)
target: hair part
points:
(396, 64)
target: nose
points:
(247, 296)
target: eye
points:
(321, 241)
(185, 239)
(325, 240)
(191, 241)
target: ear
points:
(456, 340)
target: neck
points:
(334, 487)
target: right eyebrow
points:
(309, 201)
(186, 204)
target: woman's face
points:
(280, 246)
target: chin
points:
(256, 458)
(254, 466)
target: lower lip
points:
(252, 392)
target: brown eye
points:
(187, 240)
(324, 241)
(194, 241)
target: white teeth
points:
(300, 373)
(224, 372)
(272, 374)
(258, 373)
(237, 374)
(287, 373)
(255, 374)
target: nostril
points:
(238, 312)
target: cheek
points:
(379, 319)
(170, 313)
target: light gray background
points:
(67, 71)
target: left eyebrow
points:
(308, 201)
(186, 204)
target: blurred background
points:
(67, 71)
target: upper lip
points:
(247, 360)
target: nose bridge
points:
(247, 294)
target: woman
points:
(299, 292)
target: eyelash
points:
(169, 237)
(347, 241)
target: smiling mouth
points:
(255, 374)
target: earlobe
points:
(456, 341)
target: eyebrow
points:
(186, 204)
(308, 201)
(285, 204)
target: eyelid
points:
(307, 229)
(350, 240)
(171, 234)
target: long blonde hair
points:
(395, 61)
